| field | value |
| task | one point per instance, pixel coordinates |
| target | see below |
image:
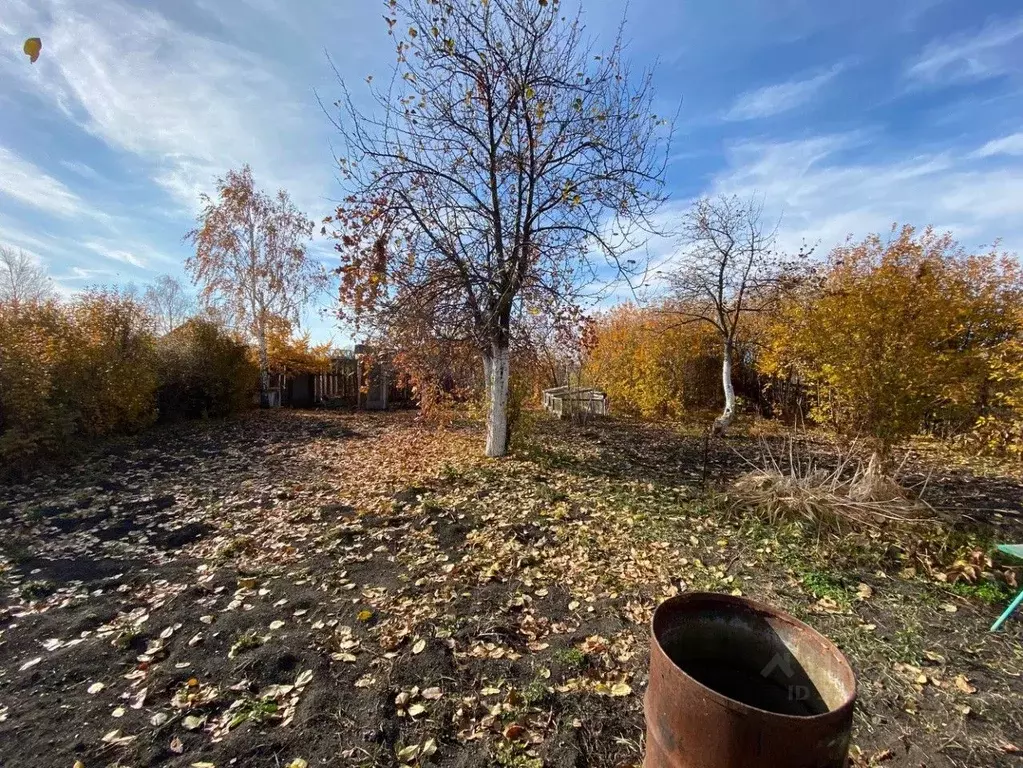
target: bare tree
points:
(168, 302)
(250, 259)
(506, 161)
(728, 269)
(22, 280)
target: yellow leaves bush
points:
(898, 336)
(999, 427)
(82, 369)
(652, 366)
(92, 367)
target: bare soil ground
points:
(316, 588)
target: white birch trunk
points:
(264, 366)
(495, 366)
(723, 421)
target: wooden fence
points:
(347, 385)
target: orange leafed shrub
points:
(288, 353)
(651, 365)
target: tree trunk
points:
(264, 368)
(723, 421)
(495, 366)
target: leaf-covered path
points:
(355, 589)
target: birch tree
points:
(728, 269)
(22, 280)
(505, 158)
(250, 259)
(168, 302)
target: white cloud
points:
(822, 193)
(985, 54)
(781, 97)
(117, 254)
(188, 107)
(81, 273)
(1007, 145)
(81, 169)
(30, 185)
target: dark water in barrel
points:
(776, 692)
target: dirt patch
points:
(359, 589)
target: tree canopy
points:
(506, 157)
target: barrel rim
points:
(836, 713)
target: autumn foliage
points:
(886, 338)
(92, 367)
(84, 369)
(652, 366)
(900, 335)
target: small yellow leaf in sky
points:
(32, 48)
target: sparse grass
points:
(514, 756)
(245, 642)
(253, 710)
(907, 644)
(824, 585)
(571, 657)
(536, 691)
(988, 591)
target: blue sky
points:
(846, 117)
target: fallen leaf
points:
(30, 664)
(419, 647)
(176, 746)
(408, 753)
(96, 688)
(139, 699)
(964, 685)
(621, 689)
(115, 737)
(514, 731)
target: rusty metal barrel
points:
(737, 684)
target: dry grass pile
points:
(852, 495)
